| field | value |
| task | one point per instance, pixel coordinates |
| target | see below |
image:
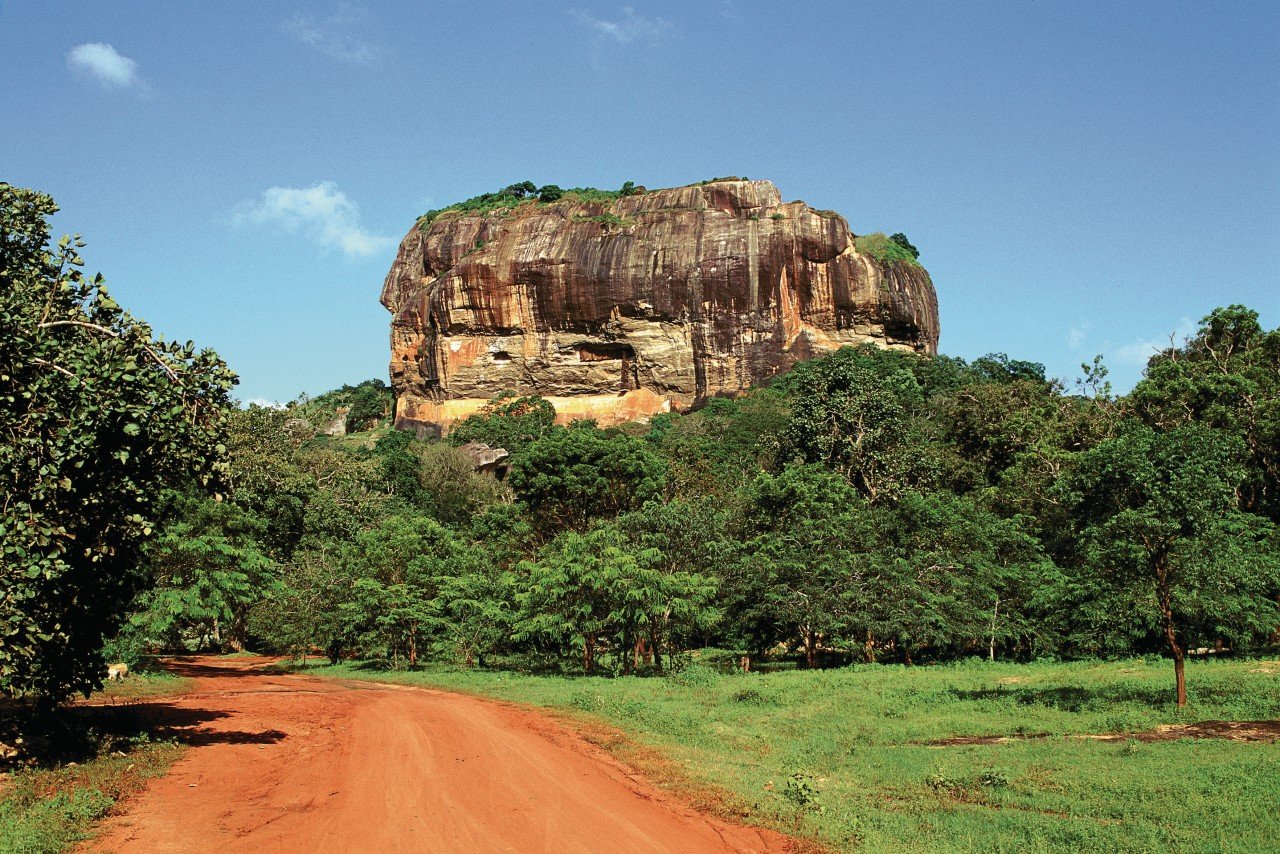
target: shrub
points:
(884, 249)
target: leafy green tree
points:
(98, 419)
(571, 476)
(303, 611)
(508, 421)
(594, 588)
(397, 567)
(473, 613)
(549, 193)
(805, 567)
(1159, 519)
(208, 569)
(715, 450)
(950, 575)
(852, 411)
(901, 240)
(1227, 376)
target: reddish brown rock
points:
(648, 303)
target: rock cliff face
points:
(621, 309)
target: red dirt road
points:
(282, 763)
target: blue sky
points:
(1080, 177)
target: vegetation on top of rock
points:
(527, 193)
(887, 249)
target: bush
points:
(884, 249)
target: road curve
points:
(286, 763)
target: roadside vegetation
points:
(59, 775)
(893, 758)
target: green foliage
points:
(571, 476)
(901, 240)
(508, 421)
(526, 193)
(208, 569)
(99, 419)
(1159, 517)
(886, 249)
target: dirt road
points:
(282, 763)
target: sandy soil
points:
(284, 763)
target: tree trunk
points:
(869, 649)
(810, 649)
(1171, 636)
(906, 654)
(1166, 611)
(413, 647)
(655, 649)
(995, 615)
(588, 652)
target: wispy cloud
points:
(332, 35)
(1138, 353)
(630, 27)
(106, 65)
(265, 403)
(1076, 336)
(322, 213)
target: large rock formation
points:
(621, 309)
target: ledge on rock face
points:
(619, 309)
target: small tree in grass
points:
(1159, 518)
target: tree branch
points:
(105, 331)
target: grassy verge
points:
(852, 756)
(79, 767)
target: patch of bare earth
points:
(1231, 730)
(289, 763)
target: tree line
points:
(867, 505)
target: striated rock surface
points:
(619, 310)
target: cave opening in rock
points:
(594, 351)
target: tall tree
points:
(1158, 515)
(98, 419)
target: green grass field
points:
(869, 778)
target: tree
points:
(901, 240)
(572, 476)
(804, 571)
(1226, 376)
(98, 419)
(207, 570)
(508, 421)
(549, 193)
(1158, 516)
(852, 411)
(949, 574)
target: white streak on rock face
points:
(649, 303)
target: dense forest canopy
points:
(868, 505)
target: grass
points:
(850, 757)
(89, 760)
(880, 247)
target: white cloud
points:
(321, 212)
(264, 403)
(1076, 336)
(106, 65)
(332, 35)
(628, 28)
